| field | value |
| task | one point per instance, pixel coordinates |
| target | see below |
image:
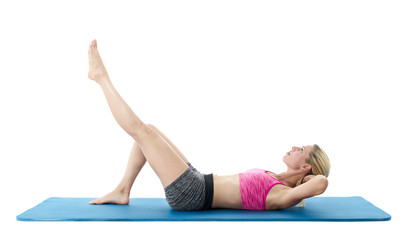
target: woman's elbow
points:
(322, 183)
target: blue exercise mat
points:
(157, 209)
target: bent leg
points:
(162, 158)
(169, 142)
(120, 195)
(135, 164)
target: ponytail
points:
(302, 203)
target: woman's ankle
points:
(103, 80)
(123, 189)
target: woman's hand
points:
(308, 178)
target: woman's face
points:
(296, 158)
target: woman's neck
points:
(290, 177)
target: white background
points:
(234, 84)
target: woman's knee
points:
(154, 129)
(152, 126)
(142, 132)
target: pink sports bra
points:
(255, 185)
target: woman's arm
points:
(314, 185)
(308, 178)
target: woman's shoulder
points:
(276, 198)
(284, 196)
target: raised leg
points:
(123, 114)
(164, 160)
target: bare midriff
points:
(227, 193)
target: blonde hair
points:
(320, 165)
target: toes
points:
(93, 44)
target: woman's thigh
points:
(161, 156)
(170, 142)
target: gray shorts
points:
(189, 191)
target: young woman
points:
(186, 188)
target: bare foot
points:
(97, 70)
(115, 197)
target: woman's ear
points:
(306, 168)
